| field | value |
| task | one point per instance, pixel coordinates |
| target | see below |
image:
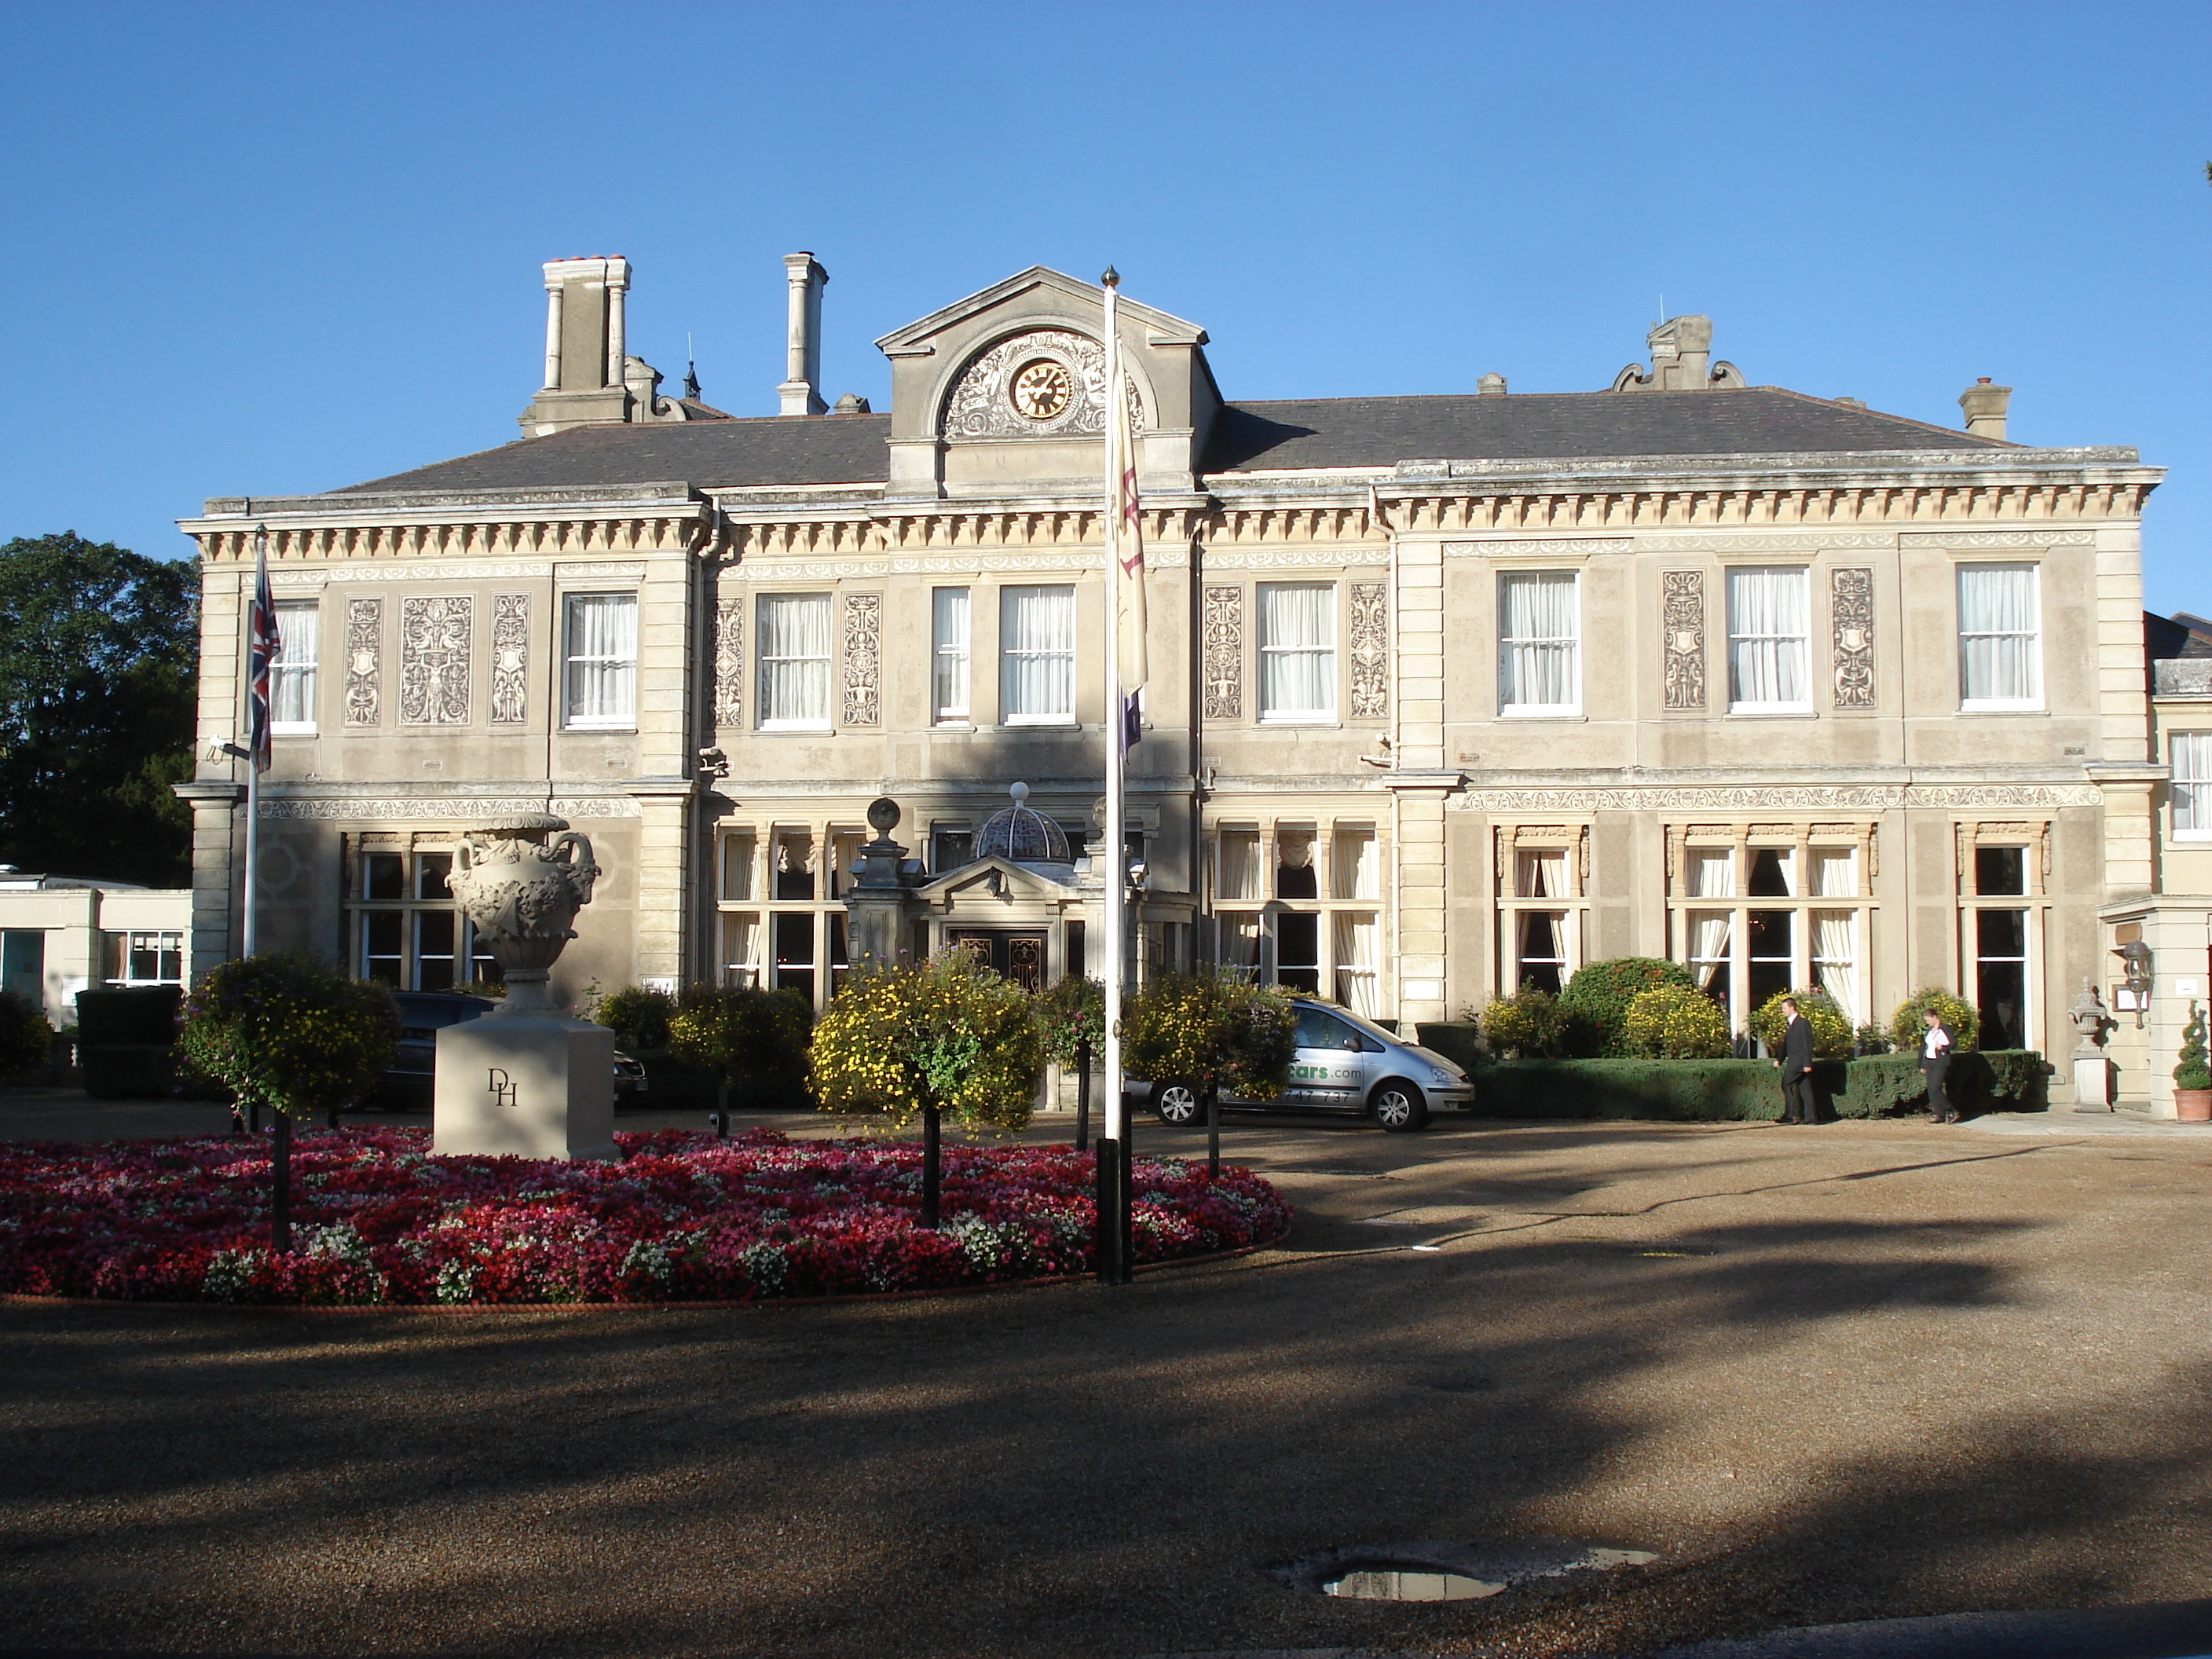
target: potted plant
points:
(2192, 1078)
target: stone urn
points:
(520, 882)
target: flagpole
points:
(1114, 1198)
(256, 720)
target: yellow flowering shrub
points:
(1675, 1022)
(947, 1033)
(1217, 1031)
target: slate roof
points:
(1339, 432)
(1307, 434)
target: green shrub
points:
(2021, 1076)
(1666, 1091)
(1669, 1021)
(1831, 1032)
(1072, 1020)
(1908, 1030)
(26, 1038)
(738, 1032)
(1880, 1085)
(1216, 1031)
(1871, 1039)
(2005, 1079)
(945, 1035)
(1596, 1002)
(289, 1032)
(1526, 1026)
(2195, 1071)
(637, 1015)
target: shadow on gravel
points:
(1060, 1470)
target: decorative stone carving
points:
(510, 658)
(354, 809)
(1814, 797)
(521, 890)
(981, 405)
(1683, 621)
(1370, 651)
(1223, 667)
(1851, 620)
(364, 662)
(730, 663)
(864, 696)
(433, 660)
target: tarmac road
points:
(1855, 1372)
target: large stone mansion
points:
(1449, 693)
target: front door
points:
(1020, 955)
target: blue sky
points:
(279, 248)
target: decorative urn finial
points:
(520, 881)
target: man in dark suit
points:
(1798, 1103)
(1935, 1045)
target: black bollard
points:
(929, 1181)
(1213, 1132)
(1082, 1097)
(1109, 1211)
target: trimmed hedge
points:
(1721, 1090)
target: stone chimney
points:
(584, 324)
(1985, 405)
(800, 392)
(1491, 386)
(1681, 360)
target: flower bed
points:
(377, 1219)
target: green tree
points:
(99, 652)
(1071, 1025)
(945, 1036)
(26, 1039)
(1216, 1031)
(638, 1015)
(740, 1030)
(292, 1033)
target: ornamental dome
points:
(1021, 834)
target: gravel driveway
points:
(1849, 1372)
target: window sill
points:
(1562, 713)
(2194, 837)
(597, 731)
(2003, 708)
(1041, 723)
(289, 729)
(1759, 711)
(953, 725)
(1328, 719)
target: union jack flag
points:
(262, 646)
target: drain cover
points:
(1448, 1571)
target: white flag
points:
(1128, 546)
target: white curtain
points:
(1709, 944)
(2193, 774)
(1356, 947)
(1240, 865)
(1835, 961)
(949, 633)
(1536, 629)
(601, 658)
(1357, 871)
(1297, 649)
(741, 943)
(794, 659)
(1037, 653)
(1998, 633)
(1541, 874)
(1766, 637)
(1240, 940)
(1712, 874)
(292, 674)
(1835, 872)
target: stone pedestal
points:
(2092, 1090)
(528, 1084)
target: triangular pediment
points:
(919, 338)
(1013, 877)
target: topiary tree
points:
(26, 1038)
(944, 1035)
(1526, 1026)
(294, 1034)
(2195, 1071)
(1832, 1032)
(739, 1030)
(1908, 1029)
(1674, 1021)
(1071, 1025)
(1597, 1000)
(638, 1016)
(1214, 1031)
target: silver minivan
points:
(1343, 1064)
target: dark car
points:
(406, 1084)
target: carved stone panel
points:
(1850, 618)
(1682, 620)
(510, 658)
(864, 696)
(1223, 653)
(433, 660)
(983, 405)
(364, 662)
(730, 662)
(1370, 651)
